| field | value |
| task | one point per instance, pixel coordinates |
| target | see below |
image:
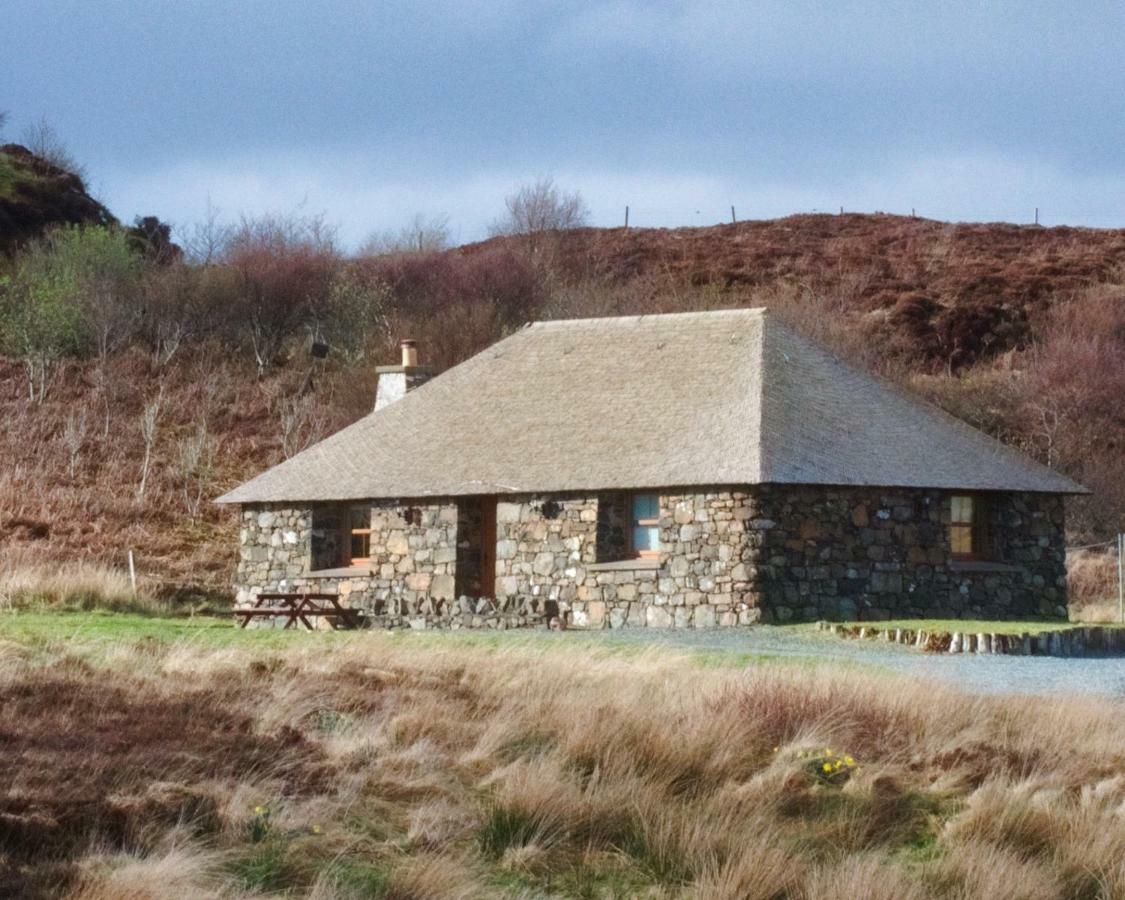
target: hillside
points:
(951, 292)
(1020, 330)
(36, 195)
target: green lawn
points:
(89, 633)
(32, 627)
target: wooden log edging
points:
(1093, 640)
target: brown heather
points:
(1020, 331)
(417, 767)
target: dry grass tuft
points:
(178, 871)
(25, 583)
(419, 768)
(1091, 577)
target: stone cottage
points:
(690, 470)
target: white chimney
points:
(395, 381)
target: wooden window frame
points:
(634, 553)
(351, 532)
(982, 543)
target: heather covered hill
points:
(138, 384)
(951, 292)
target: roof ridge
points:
(619, 320)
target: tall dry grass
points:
(1091, 580)
(422, 768)
(27, 582)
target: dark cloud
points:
(373, 112)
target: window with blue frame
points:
(646, 525)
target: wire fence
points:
(1110, 543)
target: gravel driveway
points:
(982, 674)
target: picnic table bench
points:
(300, 607)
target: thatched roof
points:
(714, 398)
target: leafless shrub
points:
(194, 468)
(42, 140)
(301, 420)
(150, 429)
(74, 439)
(285, 266)
(538, 210)
(354, 318)
(422, 235)
(207, 241)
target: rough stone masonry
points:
(727, 557)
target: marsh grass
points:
(367, 765)
(1092, 585)
(29, 584)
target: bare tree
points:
(177, 309)
(285, 265)
(74, 439)
(150, 421)
(541, 207)
(3, 119)
(208, 239)
(354, 316)
(195, 470)
(302, 422)
(422, 235)
(42, 140)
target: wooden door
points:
(488, 539)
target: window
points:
(329, 537)
(359, 520)
(646, 525)
(970, 532)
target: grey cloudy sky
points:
(372, 112)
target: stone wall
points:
(868, 553)
(273, 548)
(409, 581)
(543, 547)
(699, 580)
(728, 557)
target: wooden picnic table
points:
(300, 607)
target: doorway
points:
(476, 547)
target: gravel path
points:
(981, 674)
